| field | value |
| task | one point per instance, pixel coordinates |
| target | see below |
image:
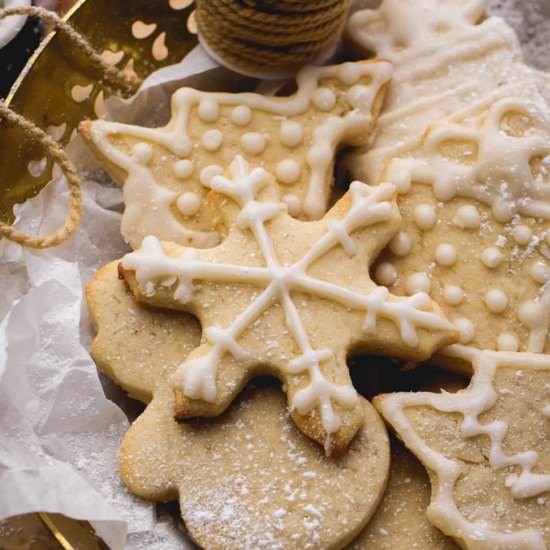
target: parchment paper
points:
(59, 432)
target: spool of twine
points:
(113, 80)
(269, 38)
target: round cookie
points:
(249, 479)
(486, 450)
(400, 520)
(166, 171)
(136, 346)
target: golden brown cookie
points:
(475, 201)
(136, 346)
(400, 520)
(166, 171)
(486, 450)
(288, 298)
(249, 479)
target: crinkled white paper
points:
(59, 433)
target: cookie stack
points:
(243, 267)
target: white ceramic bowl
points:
(10, 26)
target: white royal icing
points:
(369, 206)
(148, 203)
(471, 404)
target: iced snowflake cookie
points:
(486, 450)
(400, 520)
(475, 202)
(136, 346)
(249, 479)
(166, 171)
(288, 298)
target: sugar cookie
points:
(486, 450)
(249, 479)
(294, 137)
(264, 296)
(400, 520)
(136, 346)
(488, 257)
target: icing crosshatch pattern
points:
(166, 171)
(307, 271)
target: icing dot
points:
(288, 171)
(292, 133)
(241, 115)
(360, 97)
(183, 169)
(467, 217)
(522, 235)
(418, 282)
(212, 140)
(142, 153)
(453, 295)
(496, 301)
(466, 330)
(324, 99)
(349, 73)
(253, 143)
(209, 172)
(293, 203)
(188, 203)
(209, 110)
(386, 274)
(532, 314)
(401, 244)
(492, 257)
(445, 255)
(424, 216)
(507, 342)
(540, 272)
(444, 190)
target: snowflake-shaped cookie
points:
(486, 450)
(166, 171)
(289, 298)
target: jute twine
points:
(262, 36)
(113, 80)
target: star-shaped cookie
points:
(166, 171)
(486, 450)
(288, 298)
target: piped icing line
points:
(153, 269)
(478, 398)
(141, 187)
(501, 177)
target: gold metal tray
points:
(58, 88)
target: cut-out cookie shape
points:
(289, 298)
(166, 171)
(486, 450)
(136, 346)
(249, 479)
(447, 67)
(400, 520)
(475, 202)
